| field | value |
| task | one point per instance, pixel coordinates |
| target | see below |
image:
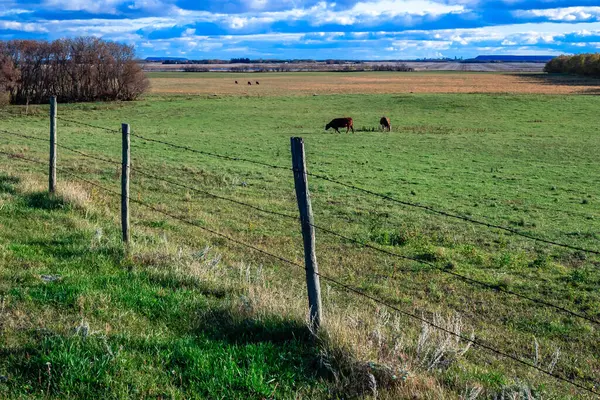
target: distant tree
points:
(393, 67)
(80, 69)
(580, 64)
(9, 76)
(195, 69)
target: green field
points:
(170, 324)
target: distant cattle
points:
(257, 83)
(236, 82)
(337, 123)
(385, 123)
(249, 83)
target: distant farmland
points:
(310, 83)
(416, 65)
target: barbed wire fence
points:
(308, 229)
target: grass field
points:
(508, 157)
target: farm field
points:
(308, 83)
(416, 65)
(513, 150)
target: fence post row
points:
(125, 183)
(308, 232)
(52, 170)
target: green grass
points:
(110, 328)
(524, 161)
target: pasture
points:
(514, 150)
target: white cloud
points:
(363, 12)
(567, 14)
(375, 11)
(257, 4)
(360, 40)
(94, 6)
(13, 12)
(393, 8)
(23, 27)
(149, 5)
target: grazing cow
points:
(236, 82)
(257, 83)
(385, 123)
(249, 83)
(341, 123)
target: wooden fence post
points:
(125, 184)
(308, 232)
(52, 170)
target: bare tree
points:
(80, 69)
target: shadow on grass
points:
(45, 201)
(223, 325)
(169, 281)
(593, 84)
(7, 184)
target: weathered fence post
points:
(52, 170)
(308, 232)
(125, 184)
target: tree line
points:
(74, 70)
(580, 64)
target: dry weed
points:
(75, 195)
(438, 349)
(30, 183)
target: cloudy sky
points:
(349, 29)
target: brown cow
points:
(257, 83)
(337, 123)
(249, 83)
(385, 123)
(236, 82)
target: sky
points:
(315, 29)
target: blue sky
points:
(348, 29)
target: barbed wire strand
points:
(326, 278)
(207, 193)
(87, 125)
(452, 215)
(62, 146)
(465, 278)
(462, 277)
(208, 153)
(380, 195)
(354, 187)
